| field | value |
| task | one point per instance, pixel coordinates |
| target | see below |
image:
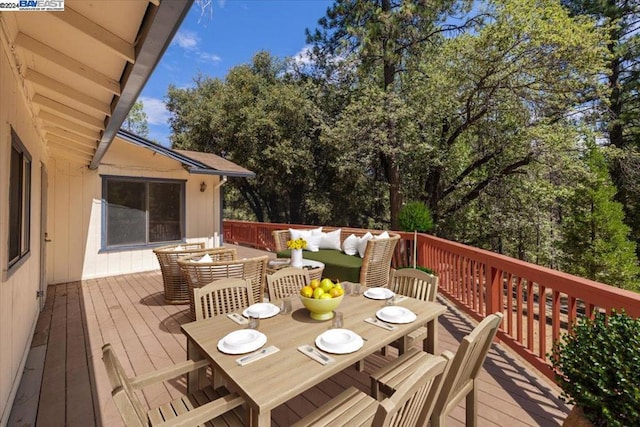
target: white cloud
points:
(156, 110)
(187, 40)
(303, 57)
(209, 57)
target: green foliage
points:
(136, 121)
(597, 366)
(421, 268)
(415, 216)
(595, 240)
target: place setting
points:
(379, 293)
(390, 314)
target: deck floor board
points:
(129, 312)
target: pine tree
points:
(596, 243)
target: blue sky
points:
(212, 44)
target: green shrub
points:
(597, 366)
(425, 269)
(415, 216)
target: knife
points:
(252, 356)
(384, 325)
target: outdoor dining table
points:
(274, 379)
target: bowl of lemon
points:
(321, 297)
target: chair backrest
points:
(376, 262)
(168, 256)
(468, 360)
(197, 274)
(130, 408)
(287, 281)
(222, 296)
(412, 403)
(414, 283)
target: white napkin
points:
(205, 258)
(315, 354)
(380, 323)
(250, 358)
(237, 318)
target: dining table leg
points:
(430, 343)
(256, 418)
(195, 379)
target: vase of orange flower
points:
(296, 246)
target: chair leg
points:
(383, 351)
(360, 365)
(472, 407)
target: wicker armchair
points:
(376, 263)
(197, 274)
(176, 290)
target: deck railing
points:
(539, 303)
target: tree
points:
(595, 240)
(382, 35)
(262, 119)
(619, 108)
(136, 121)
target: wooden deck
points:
(129, 312)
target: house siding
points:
(76, 192)
(19, 306)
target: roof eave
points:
(158, 28)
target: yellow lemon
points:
(336, 292)
(326, 285)
(307, 291)
(318, 292)
(325, 296)
(314, 283)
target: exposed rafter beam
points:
(107, 38)
(69, 144)
(37, 48)
(68, 91)
(65, 153)
(156, 32)
(69, 125)
(67, 111)
(84, 141)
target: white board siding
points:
(19, 307)
(77, 191)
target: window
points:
(19, 201)
(142, 211)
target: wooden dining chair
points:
(222, 296)
(192, 409)
(460, 380)
(287, 281)
(415, 284)
(409, 406)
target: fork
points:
(318, 353)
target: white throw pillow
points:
(205, 258)
(294, 234)
(383, 235)
(362, 244)
(178, 248)
(313, 242)
(331, 240)
(350, 245)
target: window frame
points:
(105, 205)
(23, 204)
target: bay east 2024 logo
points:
(41, 5)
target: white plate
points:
(396, 314)
(339, 341)
(242, 341)
(262, 309)
(379, 293)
